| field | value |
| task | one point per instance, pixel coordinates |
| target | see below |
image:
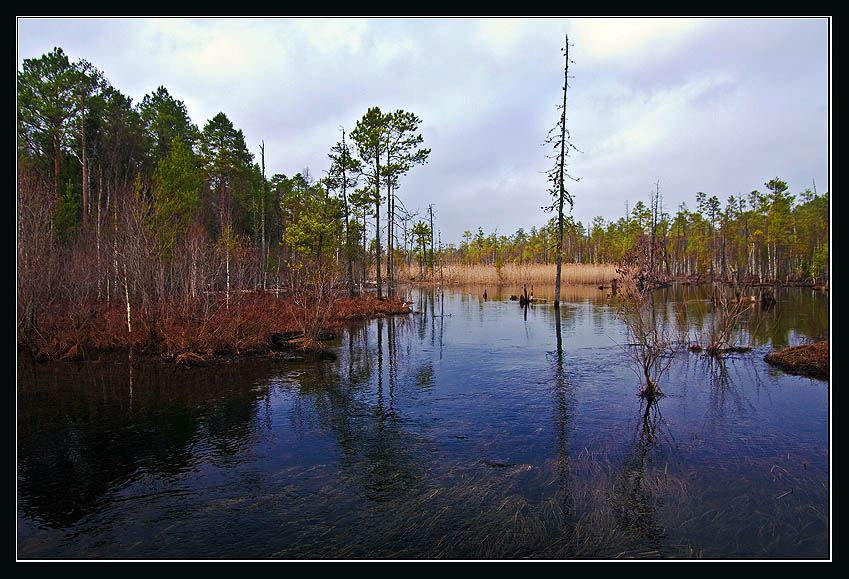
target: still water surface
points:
(456, 432)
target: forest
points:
(137, 228)
(771, 236)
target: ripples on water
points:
(457, 432)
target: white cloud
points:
(215, 51)
(629, 38)
(499, 35)
(335, 37)
(647, 120)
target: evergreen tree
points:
(166, 121)
(177, 194)
(46, 109)
(227, 162)
(344, 175)
(403, 151)
(369, 134)
(421, 231)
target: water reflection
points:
(636, 502)
(564, 397)
(86, 431)
(361, 414)
(472, 428)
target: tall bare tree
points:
(558, 138)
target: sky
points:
(680, 106)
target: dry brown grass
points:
(807, 360)
(513, 274)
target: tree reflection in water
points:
(480, 435)
(636, 505)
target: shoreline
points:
(810, 360)
(251, 324)
(248, 325)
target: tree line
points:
(769, 235)
(122, 202)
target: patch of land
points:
(804, 360)
(246, 323)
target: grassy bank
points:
(805, 360)
(513, 274)
(247, 323)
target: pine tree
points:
(344, 174)
(369, 134)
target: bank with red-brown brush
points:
(249, 323)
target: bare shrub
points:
(719, 336)
(314, 292)
(651, 337)
(651, 342)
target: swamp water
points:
(456, 432)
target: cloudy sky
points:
(713, 105)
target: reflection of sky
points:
(487, 352)
(291, 456)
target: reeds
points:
(515, 274)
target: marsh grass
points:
(513, 274)
(484, 513)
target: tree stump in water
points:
(767, 299)
(523, 297)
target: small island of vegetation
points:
(805, 359)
